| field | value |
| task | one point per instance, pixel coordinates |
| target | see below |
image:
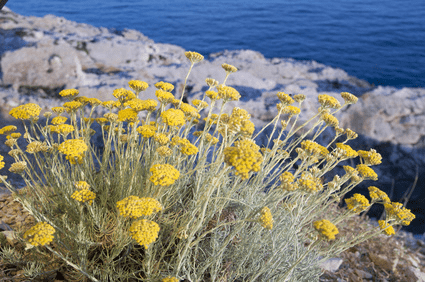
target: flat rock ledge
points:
(41, 56)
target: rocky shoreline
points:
(41, 56)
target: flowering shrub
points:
(174, 196)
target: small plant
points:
(172, 197)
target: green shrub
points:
(163, 202)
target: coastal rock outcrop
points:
(41, 56)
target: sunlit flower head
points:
(164, 174)
(194, 57)
(40, 234)
(326, 229)
(138, 85)
(357, 203)
(84, 195)
(266, 218)
(144, 231)
(29, 111)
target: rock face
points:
(41, 56)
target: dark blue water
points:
(382, 42)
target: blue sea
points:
(382, 42)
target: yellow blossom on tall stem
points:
(164, 174)
(144, 231)
(40, 234)
(326, 229)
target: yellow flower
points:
(314, 149)
(144, 232)
(370, 157)
(63, 129)
(349, 98)
(138, 85)
(8, 129)
(186, 147)
(161, 138)
(398, 212)
(292, 110)
(212, 95)
(164, 174)
(83, 100)
(58, 110)
(146, 130)
(299, 98)
(348, 151)
(2, 163)
(366, 172)
(173, 117)
(189, 111)
(244, 157)
(69, 93)
(377, 195)
(165, 86)
(72, 106)
(211, 82)
(40, 234)
(84, 195)
(228, 93)
(199, 104)
(128, 115)
(164, 151)
(81, 185)
(111, 117)
(357, 203)
(285, 98)
(388, 229)
(287, 181)
(108, 104)
(170, 279)
(351, 134)
(326, 229)
(28, 111)
(18, 167)
(164, 96)
(59, 120)
(330, 120)
(194, 57)
(73, 148)
(309, 183)
(14, 135)
(229, 68)
(123, 94)
(329, 102)
(266, 218)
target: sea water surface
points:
(382, 42)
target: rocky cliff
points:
(41, 56)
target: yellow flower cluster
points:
(189, 111)
(287, 181)
(138, 85)
(284, 98)
(69, 93)
(72, 106)
(377, 195)
(164, 174)
(136, 207)
(144, 232)
(199, 104)
(173, 117)
(291, 110)
(165, 86)
(8, 129)
(194, 57)
(170, 279)
(58, 110)
(164, 151)
(366, 172)
(348, 151)
(266, 218)
(388, 229)
(84, 195)
(351, 134)
(349, 98)
(229, 68)
(40, 234)
(2, 163)
(309, 183)
(63, 129)
(123, 94)
(163, 96)
(244, 157)
(128, 115)
(18, 167)
(212, 95)
(370, 157)
(398, 212)
(228, 93)
(146, 130)
(211, 82)
(59, 120)
(329, 102)
(299, 98)
(73, 149)
(314, 149)
(357, 203)
(81, 185)
(161, 138)
(237, 122)
(330, 120)
(185, 146)
(326, 229)
(28, 111)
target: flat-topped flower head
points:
(170, 279)
(18, 167)
(291, 110)
(212, 95)
(266, 218)
(8, 129)
(144, 231)
(138, 85)
(69, 93)
(211, 82)
(329, 102)
(136, 207)
(299, 98)
(2, 163)
(199, 104)
(366, 172)
(59, 120)
(165, 86)
(326, 229)
(349, 98)
(73, 149)
(378, 195)
(396, 211)
(329, 119)
(128, 115)
(194, 57)
(40, 234)
(123, 94)
(284, 98)
(309, 183)
(164, 151)
(189, 111)
(388, 229)
(186, 147)
(173, 117)
(351, 134)
(314, 149)
(357, 203)
(244, 157)
(29, 111)
(229, 68)
(348, 152)
(161, 138)
(63, 129)
(146, 130)
(228, 93)
(164, 174)
(370, 157)
(84, 195)
(164, 96)
(81, 185)
(72, 106)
